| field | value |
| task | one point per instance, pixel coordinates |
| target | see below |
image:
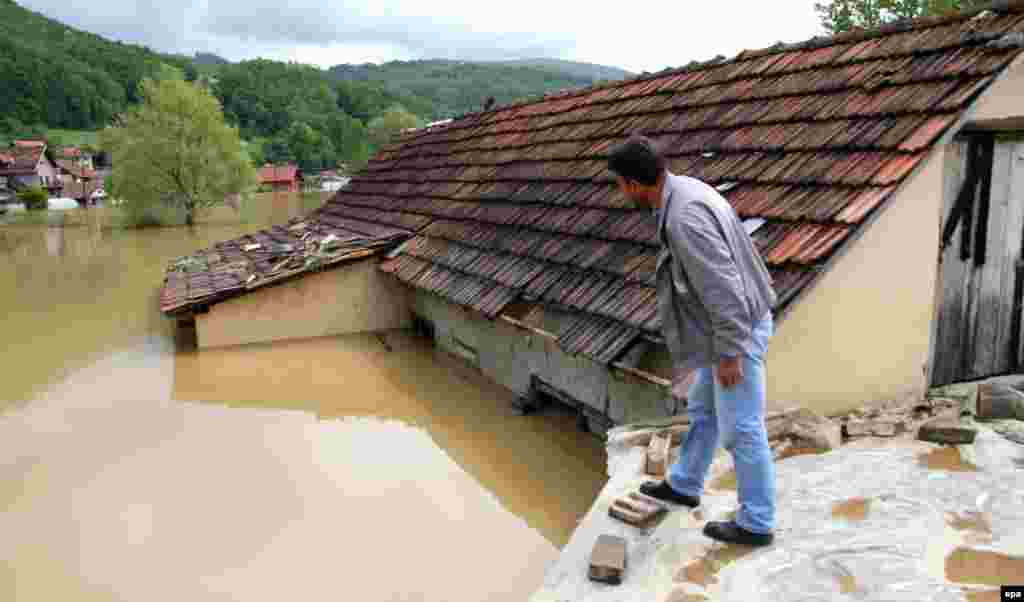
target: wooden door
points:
(978, 333)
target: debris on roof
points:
(321, 239)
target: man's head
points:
(639, 170)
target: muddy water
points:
(133, 467)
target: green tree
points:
(838, 16)
(175, 150)
(394, 120)
(35, 198)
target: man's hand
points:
(730, 371)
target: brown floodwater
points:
(134, 467)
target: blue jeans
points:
(737, 415)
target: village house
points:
(26, 165)
(80, 183)
(280, 178)
(877, 171)
(76, 156)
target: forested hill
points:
(457, 87)
(55, 79)
(67, 78)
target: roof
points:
(227, 269)
(273, 174)
(516, 203)
(30, 143)
(70, 168)
(815, 137)
(24, 160)
(71, 151)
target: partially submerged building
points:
(879, 173)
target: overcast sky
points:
(637, 35)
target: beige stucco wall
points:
(1000, 106)
(863, 333)
(354, 297)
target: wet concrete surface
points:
(133, 467)
(877, 520)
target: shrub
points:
(35, 198)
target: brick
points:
(638, 510)
(657, 454)
(951, 431)
(608, 559)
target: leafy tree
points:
(394, 120)
(842, 15)
(34, 198)
(175, 150)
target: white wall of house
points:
(349, 298)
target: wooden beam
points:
(651, 378)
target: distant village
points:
(74, 176)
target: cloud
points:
(649, 36)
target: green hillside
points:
(62, 77)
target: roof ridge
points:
(813, 43)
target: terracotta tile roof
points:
(30, 143)
(327, 236)
(814, 137)
(516, 204)
(70, 151)
(276, 174)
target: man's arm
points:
(705, 256)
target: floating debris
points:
(254, 246)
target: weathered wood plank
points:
(992, 321)
(1017, 200)
(949, 331)
(1007, 166)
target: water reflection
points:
(331, 467)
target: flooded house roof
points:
(323, 238)
(30, 143)
(516, 203)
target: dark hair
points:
(637, 159)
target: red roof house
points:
(280, 178)
(28, 165)
(30, 143)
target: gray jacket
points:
(713, 286)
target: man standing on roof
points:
(715, 299)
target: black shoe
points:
(730, 532)
(664, 492)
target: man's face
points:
(633, 191)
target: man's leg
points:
(687, 473)
(741, 411)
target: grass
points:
(76, 137)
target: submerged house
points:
(26, 164)
(879, 172)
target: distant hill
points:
(207, 58)
(574, 69)
(457, 87)
(62, 77)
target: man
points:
(715, 299)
